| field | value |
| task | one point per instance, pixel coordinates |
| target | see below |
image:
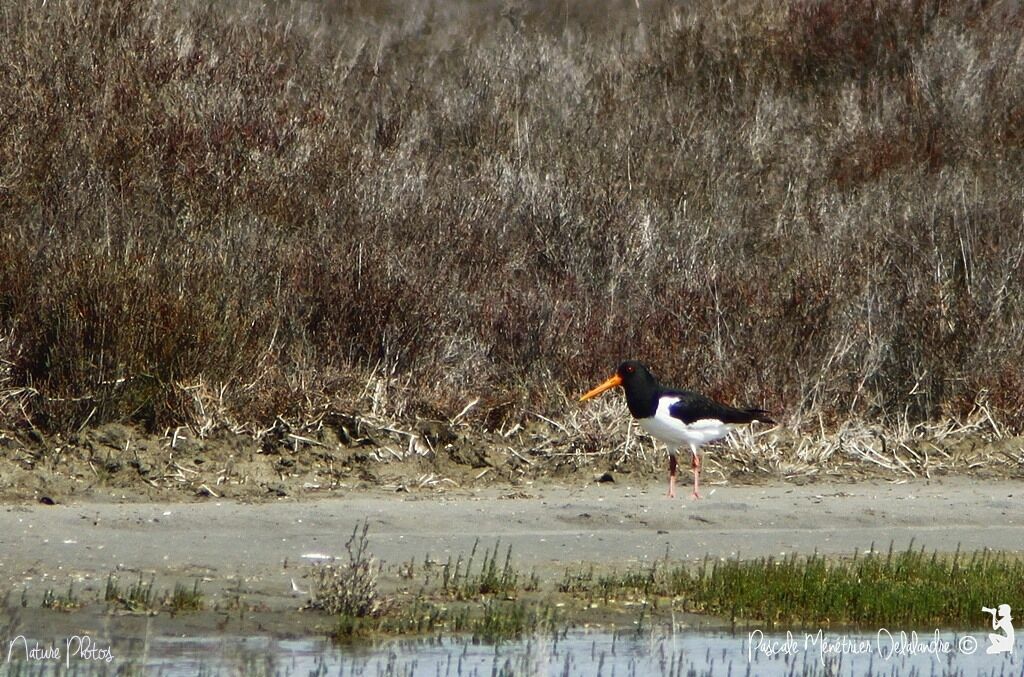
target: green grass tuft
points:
(911, 588)
(185, 599)
(66, 602)
(459, 579)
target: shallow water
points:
(575, 653)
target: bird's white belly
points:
(674, 433)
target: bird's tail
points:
(754, 414)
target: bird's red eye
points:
(630, 370)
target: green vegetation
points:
(141, 596)
(490, 619)
(66, 602)
(185, 598)
(350, 591)
(905, 589)
(501, 620)
(228, 212)
(908, 589)
(482, 603)
(489, 580)
(138, 597)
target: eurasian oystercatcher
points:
(675, 417)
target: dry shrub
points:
(812, 206)
(350, 588)
(13, 399)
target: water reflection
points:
(574, 653)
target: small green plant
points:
(419, 617)
(138, 597)
(407, 569)
(462, 583)
(185, 599)
(509, 620)
(65, 602)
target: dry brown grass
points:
(225, 215)
(349, 588)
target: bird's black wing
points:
(696, 407)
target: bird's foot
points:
(696, 496)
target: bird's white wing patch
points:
(673, 432)
(710, 425)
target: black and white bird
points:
(676, 417)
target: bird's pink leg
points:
(696, 477)
(671, 476)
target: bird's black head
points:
(635, 373)
(641, 388)
(639, 383)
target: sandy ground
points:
(255, 551)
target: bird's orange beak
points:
(610, 383)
